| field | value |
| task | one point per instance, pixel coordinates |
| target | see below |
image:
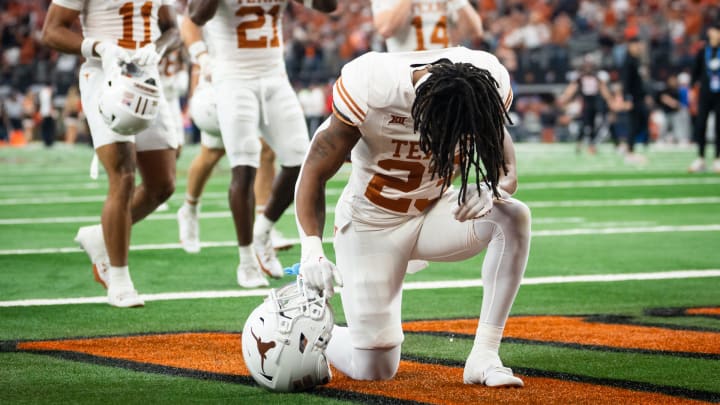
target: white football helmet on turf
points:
(130, 100)
(284, 339)
(203, 108)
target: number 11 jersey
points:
(128, 24)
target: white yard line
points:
(412, 285)
(208, 215)
(554, 232)
(682, 181)
(677, 181)
(532, 204)
(624, 202)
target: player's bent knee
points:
(376, 364)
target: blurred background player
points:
(591, 84)
(418, 25)
(634, 87)
(414, 121)
(248, 69)
(71, 115)
(112, 33)
(706, 71)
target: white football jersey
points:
(428, 25)
(130, 24)
(375, 93)
(245, 39)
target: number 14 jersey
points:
(375, 93)
(245, 39)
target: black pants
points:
(706, 104)
(47, 129)
(638, 124)
(588, 124)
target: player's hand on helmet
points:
(477, 204)
(146, 56)
(111, 56)
(317, 271)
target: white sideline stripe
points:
(555, 232)
(619, 183)
(205, 215)
(413, 285)
(536, 204)
(626, 202)
(679, 181)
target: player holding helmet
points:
(117, 35)
(413, 121)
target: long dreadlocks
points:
(458, 109)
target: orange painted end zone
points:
(712, 311)
(221, 353)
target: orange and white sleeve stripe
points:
(508, 100)
(347, 107)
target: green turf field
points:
(632, 251)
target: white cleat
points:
(716, 166)
(489, 371)
(280, 242)
(90, 239)
(267, 258)
(697, 166)
(125, 299)
(250, 276)
(162, 207)
(189, 229)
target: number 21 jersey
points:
(245, 39)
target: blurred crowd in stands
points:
(541, 42)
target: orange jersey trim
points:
(345, 95)
(509, 100)
(341, 117)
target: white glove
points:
(111, 55)
(476, 205)
(316, 270)
(146, 56)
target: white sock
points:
(191, 203)
(247, 254)
(487, 338)
(120, 279)
(262, 225)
